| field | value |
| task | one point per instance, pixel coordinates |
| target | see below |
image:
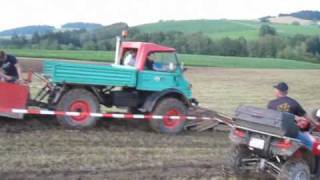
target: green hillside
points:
(28, 30)
(189, 60)
(226, 28)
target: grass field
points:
(217, 29)
(189, 60)
(228, 88)
(245, 62)
(38, 148)
(64, 54)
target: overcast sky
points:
(16, 13)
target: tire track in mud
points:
(180, 171)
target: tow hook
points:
(262, 164)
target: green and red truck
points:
(85, 87)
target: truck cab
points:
(157, 67)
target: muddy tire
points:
(237, 153)
(294, 169)
(169, 107)
(78, 100)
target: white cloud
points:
(16, 13)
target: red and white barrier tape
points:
(104, 115)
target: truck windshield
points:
(162, 61)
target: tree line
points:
(269, 43)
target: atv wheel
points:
(78, 100)
(294, 169)
(169, 107)
(237, 154)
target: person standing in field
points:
(10, 69)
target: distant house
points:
(290, 20)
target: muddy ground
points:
(38, 148)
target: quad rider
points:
(284, 103)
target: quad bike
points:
(265, 141)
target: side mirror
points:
(184, 69)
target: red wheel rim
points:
(81, 107)
(172, 123)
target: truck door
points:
(160, 72)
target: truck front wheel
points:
(78, 100)
(169, 107)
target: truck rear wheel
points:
(169, 107)
(78, 100)
(294, 169)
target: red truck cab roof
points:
(151, 47)
(143, 50)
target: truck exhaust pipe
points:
(117, 53)
(119, 39)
